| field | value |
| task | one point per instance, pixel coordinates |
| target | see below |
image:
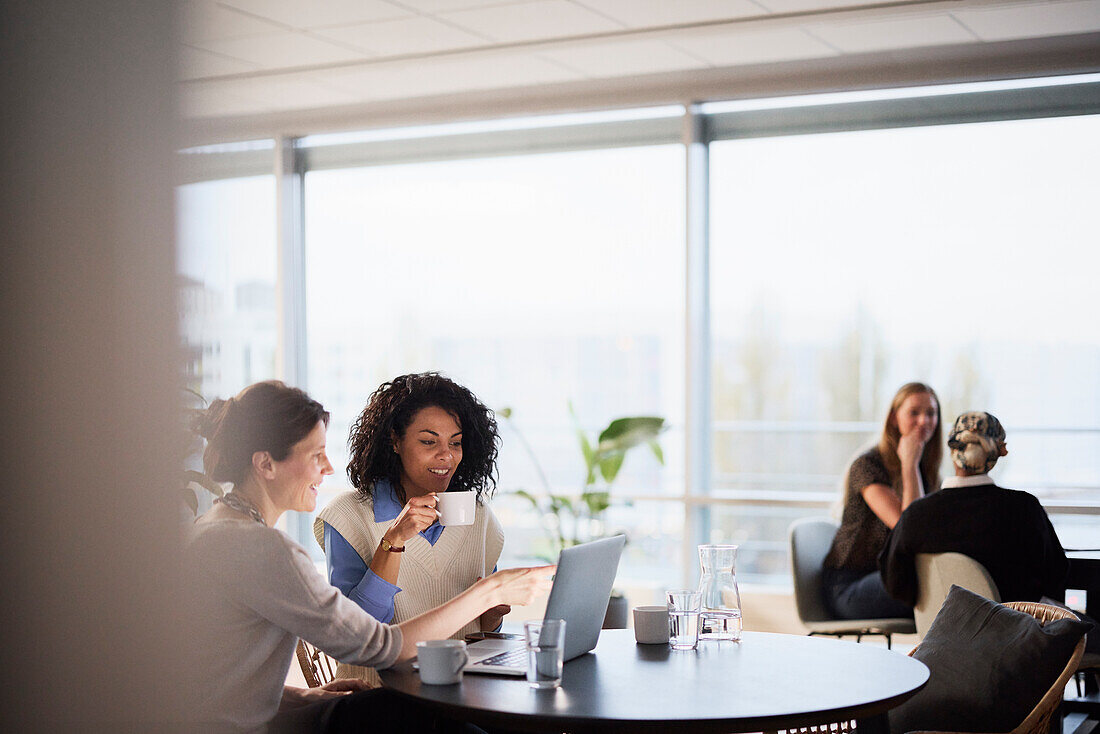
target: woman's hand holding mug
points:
(417, 514)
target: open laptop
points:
(581, 590)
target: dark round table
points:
(764, 683)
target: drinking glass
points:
(683, 618)
(545, 652)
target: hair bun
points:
(976, 441)
(206, 422)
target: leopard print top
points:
(862, 534)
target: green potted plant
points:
(192, 481)
(573, 519)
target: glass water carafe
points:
(721, 600)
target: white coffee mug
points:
(441, 661)
(651, 625)
(455, 508)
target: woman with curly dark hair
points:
(419, 435)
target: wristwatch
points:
(388, 546)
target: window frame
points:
(695, 126)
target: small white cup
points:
(651, 625)
(441, 661)
(455, 508)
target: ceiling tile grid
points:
(532, 21)
(397, 80)
(1031, 20)
(206, 20)
(880, 34)
(416, 35)
(652, 13)
(812, 6)
(737, 46)
(195, 63)
(319, 13)
(431, 7)
(624, 58)
(241, 57)
(286, 49)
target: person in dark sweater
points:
(1005, 530)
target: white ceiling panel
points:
(414, 35)
(262, 94)
(295, 92)
(623, 58)
(649, 13)
(809, 6)
(319, 13)
(542, 19)
(220, 99)
(283, 50)
(338, 49)
(1028, 21)
(447, 75)
(888, 33)
(205, 20)
(196, 63)
(736, 46)
(432, 7)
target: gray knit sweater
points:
(255, 592)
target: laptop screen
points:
(582, 588)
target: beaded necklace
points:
(236, 502)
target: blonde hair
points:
(932, 455)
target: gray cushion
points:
(989, 665)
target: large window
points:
(227, 265)
(856, 243)
(846, 264)
(536, 281)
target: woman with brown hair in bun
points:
(879, 485)
(255, 591)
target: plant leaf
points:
(591, 458)
(196, 394)
(190, 475)
(529, 497)
(610, 465)
(626, 433)
(597, 502)
(191, 500)
(559, 502)
(657, 451)
(586, 447)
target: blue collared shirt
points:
(348, 572)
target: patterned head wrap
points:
(976, 442)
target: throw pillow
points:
(989, 665)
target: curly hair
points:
(389, 412)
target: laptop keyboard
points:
(508, 658)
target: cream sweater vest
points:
(429, 575)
